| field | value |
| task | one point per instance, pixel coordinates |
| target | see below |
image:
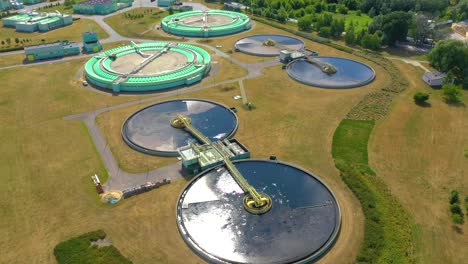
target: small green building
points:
(100, 7)
(32, 2)
(166, 3)
(37, 21)
(91, 42)
(51, 50)
(5, 5)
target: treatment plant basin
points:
(148, 66)
(205, 23)
(350, 73)
(149, 130)
(258, 44)
(302, 224)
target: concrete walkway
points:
(415, 63)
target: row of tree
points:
(453, 9)
(17, 41)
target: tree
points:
(305, 23)
(350, 35)
(337, 27)
(420, 98)
(394, 26)
(282, 15)
(451, 93)
(454, 198)
(3, 42)
(16, 41)
(170, 10)
(371, 42)
(450, 55)
(8, 41)
(421, 28)
(324, 32)
(455, 209)
(457, 219)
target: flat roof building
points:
(51, 50)
(37, 21)
(101, 7)
(434, 79)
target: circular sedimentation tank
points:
(302, 224)
(148, 66)
(210, 23)
(149, 130)
(349, 73)
(268, 45)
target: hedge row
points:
(79, 250)
(11, 49)
(387, 235)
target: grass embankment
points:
(388, 227)
(79, 250)
(387, 237)
(141, 23)
(71, 33)
(419, 152)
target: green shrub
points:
(454, 198)
(420, 98)
(325, 32)
(457, 219)
(78, 250)
(452, 93)
(455, 209)
(466, 204)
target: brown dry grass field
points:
(418, 151)
(293, 121)
(46, 194)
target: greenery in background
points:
(79, 250)
(394, 26)
(451, 56)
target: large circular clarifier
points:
(205, 23)
(148, 66)
(260, 45)
(350, 73)
(301, 226)
(149, 130)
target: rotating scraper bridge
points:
(254, 202)
(206, 23)
(148, 66)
